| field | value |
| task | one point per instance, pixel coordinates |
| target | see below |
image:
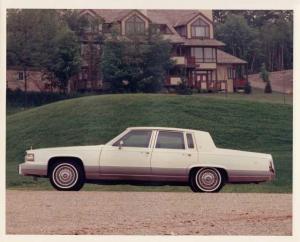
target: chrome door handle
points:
(187, 154)
(145, 152)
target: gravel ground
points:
(148, 213)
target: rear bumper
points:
(32, 169)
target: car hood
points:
(229, 152)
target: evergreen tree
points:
(137, 63)
(41, 38)
(264, 75)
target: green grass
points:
(257, 95)
(233, 123)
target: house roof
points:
(225, 58)
(171, 18)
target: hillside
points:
(247, 125)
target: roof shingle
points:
(225, 58)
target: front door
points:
(131, 159)
(201, 80)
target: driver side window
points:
(135, 138)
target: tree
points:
(278, 45)
(21, 41)
(136, 63)
(241, 40)
(272, 43)
(264, 75)
(37, 38)
(66, 58)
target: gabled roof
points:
(189, 17)
(112, 15)
(225, 58)
(171, 17)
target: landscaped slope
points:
(245, 125)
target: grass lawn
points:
(257, 95)
(233, 123)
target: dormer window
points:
(200, 29)
(134, 25)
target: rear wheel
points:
(206, 180)
(67, 176)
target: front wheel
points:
(206, 180)
(67, 176)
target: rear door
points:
(171, 155)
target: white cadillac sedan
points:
(150, 154)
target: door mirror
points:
(121, 143)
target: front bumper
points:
(33, 169)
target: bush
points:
(247, 88)
(268, 88)
(17, 98)
(150, 85)
(183, 89)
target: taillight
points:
(271, 168)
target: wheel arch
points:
(53, 160)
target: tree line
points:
(258, 36)
(50, 40)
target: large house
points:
(194, 48)
(191, 33)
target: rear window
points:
(170, 140)
(190, 141)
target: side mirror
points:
(121, 143)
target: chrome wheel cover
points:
(65, 175)
(208, 179)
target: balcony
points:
(201, 63)
(179, 60)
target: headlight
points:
(29, 157)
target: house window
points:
(205, 54)
(231, 73)
(200, 29)
(135, 25)
(20, 75)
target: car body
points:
(154, 154)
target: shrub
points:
(268, 88)
(150, 84)
(17, 98)
(248, 88)
(183, 88)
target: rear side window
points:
(135, 138)
(170, 140)
(190, 141)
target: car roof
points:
(166, 128)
